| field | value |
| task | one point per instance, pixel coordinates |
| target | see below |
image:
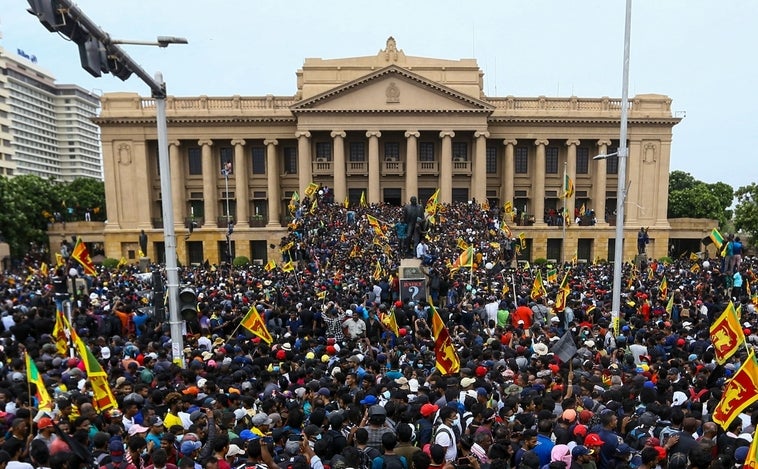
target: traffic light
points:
(188, 305)
(93, 56)
(48, 13)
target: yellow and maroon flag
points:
(506, 231)
(663, 289)
(310, 190)
(447, 361)
(751, 460)
(270, 265)
(43, 270)
(81, 255)
(740, 391)
(538, 289)
(60, 332)
(59, 260)
(33, 377)
(254, 323)
(466, 259)
(390, 321)
(726, 334)
(288, 267)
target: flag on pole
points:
(294, 200)
(60, 332)
(122, 262)
(447, 361)
(565, 348)
(254, 323)
(432, 203)
(740, 392)
(103, 395)
(314, 207)
(58, 260)
(346, 203)
(43, 269)
(563, 293)
(582, 210)
(287, 246)
(377, 271)
(508, 207)
(663, 289)
(670, 304)
(716, 237)
(507, 231)
(390, 322)
(81, 255)
(33, 377)
(538, 289)
(461, 243)
(726, 334)
(568, 187)
(288, 267)
(522, 240)
(466, 259)
(270, 265)
(552, 275)
(694, 257)
(751, 460)
(363, 199)
(321, 295)
(310, 190)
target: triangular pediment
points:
(392, 89)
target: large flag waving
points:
(60, 331)
(538, 289)
(663, 289)
(103, 395)
(431, 204)
(33, 377)
(466, 259)
(447, 361)
(726, 334)
(81, 255)
(390, 321)
(254, 323)
(751, 460)
(716, 237)
(563, 292)
(568, 187)
(740, 392)
(310, 190)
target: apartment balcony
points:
(223, 221)
(427, 168)
(461, 168)
(323, 168)
(257, 221)
(357, 168)
(392, 168)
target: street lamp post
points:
(100, 53)
(226, 170)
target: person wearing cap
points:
(155, 434)
(425, 423)
(581, 457)
(261, 423)
(46, 431)
(189, 451)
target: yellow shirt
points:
(172, 420)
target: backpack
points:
(636, 438)
(393, 461)
(367, 456)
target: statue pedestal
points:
(144, 264)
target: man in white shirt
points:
(355, 326)
(444, 435)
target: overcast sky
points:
(700, 53)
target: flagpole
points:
(67, 306)
(565, 210)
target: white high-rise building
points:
(47, 128)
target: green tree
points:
(86, 194)
(746, 210)
(690, 198)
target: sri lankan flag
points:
(270, 265)
(103, 395)
(355, 252)
(390, 322)
(33, 377)
(461, 243)
(81, 255)
(663, 289)
(466, 259)
(310, 190)
(288, 246)
(60, 332)
(321, 295)
(58, 260)
(508, 207)
(563, 292)
(43, 270)
(751, 460)
(522, 240)
(447, 361)
(552, 276)
(122, 262)
(670, 304)
(294, 200)
(432, 203)
(538, 289)
(506, 231)
(568, 187)
(254, 323)
(739, 393)
(716, 237)
(363, 199)
(378, 271)
(288, 267)
(726, 334)
(314, 207)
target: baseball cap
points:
(580, 450)
(116, 450)
(569, 415)
(189, 446)
(369, 400)
(593, 439)
(234, 450)
(44, 422)
(580, 430)
(428, 409)
(137, 428)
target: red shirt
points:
(522, 313)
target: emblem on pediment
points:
(393, 93)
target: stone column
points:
(374, 171)
(241, 188)
(509, 169)
(411, 164)
(635, 206)
(538, 183)
(599, 180)
(272, 176)
(446, 167)
(479, 171)
(340, 177)
(178, 198)
(304, 164)
(570, 203)
(210, 194)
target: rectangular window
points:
(612, 163)
(290, 160)
(391, 151)
(582, 160)
(426, 151)
(551, 160)
(259, 160)
(521, 160)
(460, 151)
(195, 252)
(324, 151)
(227, 157)
(491, 160)
(194, 161)
(357, 151)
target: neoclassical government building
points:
(392, 126)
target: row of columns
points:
(478, 178)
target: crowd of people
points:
(338, 388)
